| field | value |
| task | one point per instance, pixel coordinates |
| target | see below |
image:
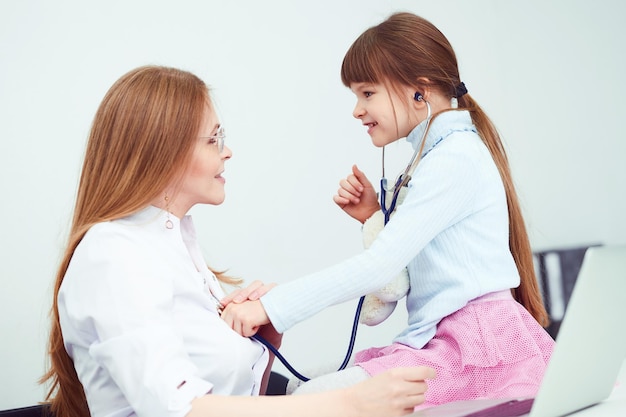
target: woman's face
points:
(387, 116)
(202, 182)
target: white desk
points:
(614, 406)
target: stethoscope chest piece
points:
(389, 198)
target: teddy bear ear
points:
(374, 311)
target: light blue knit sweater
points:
(451, 232)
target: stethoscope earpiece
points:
(418, 96)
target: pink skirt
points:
(491, 348)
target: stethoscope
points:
(402, 180)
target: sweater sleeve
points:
(440, 194)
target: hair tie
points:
(460, 90)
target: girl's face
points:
(388, 117)
(203, 182)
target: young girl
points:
(474, 310)
(135, 318)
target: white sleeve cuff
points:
(192, 388)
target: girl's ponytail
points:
(527, 293)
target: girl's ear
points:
(422, 89)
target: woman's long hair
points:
(142, 136)
(407, 50)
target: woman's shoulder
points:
(109, 252)
(115, 237)
(112, 230)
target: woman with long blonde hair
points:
(136, 327)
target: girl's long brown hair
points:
(141, 139)
(407, 50)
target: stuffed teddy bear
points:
(379, 305)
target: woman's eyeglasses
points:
(217, 138)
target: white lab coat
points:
(139, 320)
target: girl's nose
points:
(358, 111)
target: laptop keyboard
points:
(511, 408)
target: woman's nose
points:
(227, 153)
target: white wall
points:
(550, 73)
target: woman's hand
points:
(356, 196)
(245, 314)
(400, 389)
(245, 318)
(252, 292)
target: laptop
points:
(589, 349)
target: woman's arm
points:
(392, 393)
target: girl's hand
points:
(392, 393)
(245, 318)
(356, 196)
(252, 292)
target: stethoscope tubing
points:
(346, 360)
(404, 178)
